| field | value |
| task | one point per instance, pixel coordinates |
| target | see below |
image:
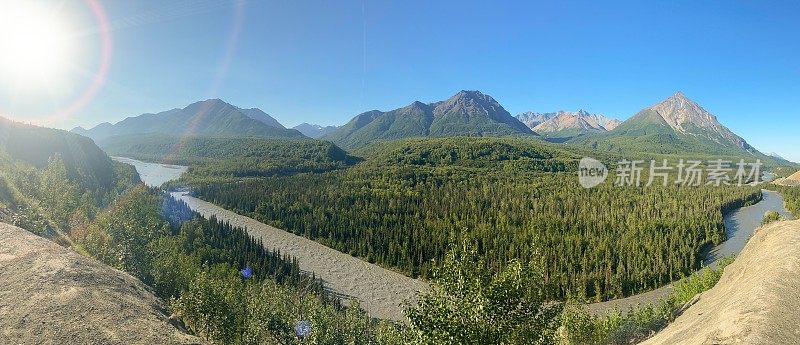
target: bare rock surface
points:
(52, 295)
(757, 300)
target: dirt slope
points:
(757, 300)
(51, 295)
(793, 180)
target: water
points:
(154, 174)
(378, 290)
(741, 224)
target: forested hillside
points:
(85, 164)
(467, 113)
(52, 181)
(510, 154)
(222, 284)
(406, 204)
(233, 157)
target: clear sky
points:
(326, 61)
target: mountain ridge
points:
(682, 113)
(212, 117)
(467, 113)
(85, 162)
(674, 125)
(314, 131)
(567, 123)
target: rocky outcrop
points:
(757, 300)
(52, 295)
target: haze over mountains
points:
(83, 160)
(565, 124)
(467, 113)
(675, 125)
(775, 155)
(206, 118)
(314, 131)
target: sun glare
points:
(35, 46)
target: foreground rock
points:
(51, 295)
(757, 300)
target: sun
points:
(35, 43)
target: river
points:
(739, 227)
(154, 174)
(379, 291)
(741, 224)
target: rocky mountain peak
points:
(533, 119)
(469, 102)
(580, 120)
(678, 111)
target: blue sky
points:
(326, 61)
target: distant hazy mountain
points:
(207, 118)
(468, 113)
(675, 125)
(773, 154)
(566, 124)
(314, 131)
(533, 119)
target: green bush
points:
(770, 217)
(578, 326)
(469, 304)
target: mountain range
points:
(212, 117)
(775, 155)
(567, 124)
(314, 131)
(675, 125)
(467, 113)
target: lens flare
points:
(39, 47)
(34, 43)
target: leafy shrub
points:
(770, 217)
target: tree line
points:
(404, 208)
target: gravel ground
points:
(379, 291)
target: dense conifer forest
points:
(409, 201)
(507, 214)
(234, 157)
